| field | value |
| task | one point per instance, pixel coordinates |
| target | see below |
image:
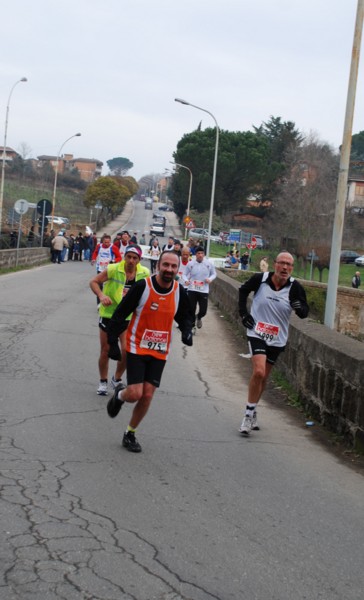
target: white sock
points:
(250, 410)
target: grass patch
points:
(5, 270)
(281, 383)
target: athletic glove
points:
(187, 337)
(296, 305)
(248, 321)
(114, 351)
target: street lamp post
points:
(22, 80)
(189, 191)
(56, 172)
(214, 169)
(341, 192)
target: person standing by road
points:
(198, 275)
(244, 261)
(276, 295)
(155, 302)
(356, 281)
(58, 244)
(263, 265)
(110, 286)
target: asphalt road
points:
(200, 514)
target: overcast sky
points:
(111, 69)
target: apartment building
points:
(88, 168)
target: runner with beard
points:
(154, 302)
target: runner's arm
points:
(298, 300)
(184, 315)
(252, 285)
(212, 273)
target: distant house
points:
(10, 154)
(355, 197)
(89, 169)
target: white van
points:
(148, 204)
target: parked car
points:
(166, 207)
(348, 256)
(58, 220)
(360, 261)
(199, 233)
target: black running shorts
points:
(103, 322)
(144, 368)
(258, 346)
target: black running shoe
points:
(130, 442)
(114, 405)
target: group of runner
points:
(137, 311)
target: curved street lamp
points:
(189, 191)
(214, 170)
(22, 80)
(56, 172)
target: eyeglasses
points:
(283, 263)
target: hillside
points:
(69, 202)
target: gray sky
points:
(111, 69)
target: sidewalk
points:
(120, 223)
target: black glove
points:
(248, 321)
(296, 305)
(114, 351)
(187, 337)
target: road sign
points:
(21, 207)
(190, 225)
(44, 207)
(42, 222)
(234, 235)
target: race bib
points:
(267, 331)
(196, 285)
(155, 340)
(103, 265)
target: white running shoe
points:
(115, 382)
(246, 426)
(102, 389)
(255, 425)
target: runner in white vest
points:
(276, 294)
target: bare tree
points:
(24, 150)
(302, 213)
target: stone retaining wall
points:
(26, 256)
(325, 367)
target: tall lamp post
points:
(56, 172)
(341, 192)
(22, 80)
(214, 170)
(189, 191)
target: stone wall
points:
(26, 256)
(325, 368)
